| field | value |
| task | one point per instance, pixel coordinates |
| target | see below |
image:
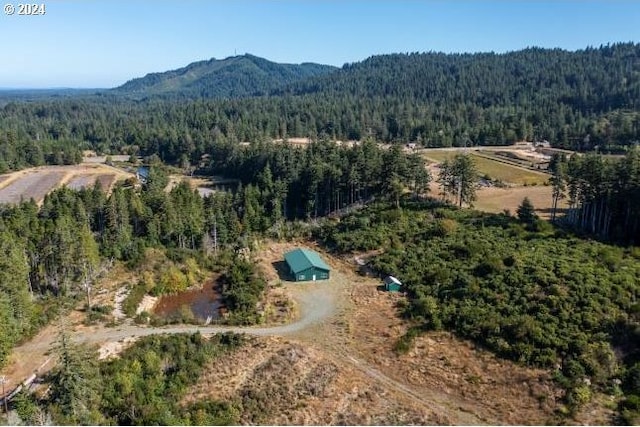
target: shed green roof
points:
(303, 259)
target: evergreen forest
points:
(559, 295)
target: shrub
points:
(172, 281)
(405, 343)
(133, 299)
(578, 396)
(445, 227)
(631, 402)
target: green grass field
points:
(495, 169)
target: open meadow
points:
(496, 170)
(520, 183)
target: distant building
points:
(391, 284)
(543, 144)
(305, 265)
(142, 173)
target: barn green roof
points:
(303, 259)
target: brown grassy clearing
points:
(493, 168)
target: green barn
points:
(305, 265)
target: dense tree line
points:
(584, 100)
(602, 192)
(290, 182)
(19, 153)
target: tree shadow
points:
(282, 268)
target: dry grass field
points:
(36, 183)
(497, 200)
(494, 169)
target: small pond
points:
(204, 302)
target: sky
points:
(104, 43)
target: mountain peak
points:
(234, 76)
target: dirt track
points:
(348, 321)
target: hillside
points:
(235, 76)
(585, 100)
(594, 79)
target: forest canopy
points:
(584, 100)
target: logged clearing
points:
(35, 183)
(34, 186)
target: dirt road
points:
(326, 315)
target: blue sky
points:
(103, 43)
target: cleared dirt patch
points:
(107, 181)
(35, 183)
(31, 186)
(103, 159)
(280, 382)
(81, 181)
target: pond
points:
(204, 303)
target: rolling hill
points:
(235, 76)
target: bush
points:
(405, 342)
(172, 281)
(445, 227)
(578, 397)
(133, 299)
(631, 402)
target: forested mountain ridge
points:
(586, 100)
(235, 76)
(593, 79)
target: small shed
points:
(391, 284)
(142, 173)
(305, 265)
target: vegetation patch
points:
(525, 290)
(133, 299)
(142, 387)
(242, 290)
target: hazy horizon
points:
(102, 44)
